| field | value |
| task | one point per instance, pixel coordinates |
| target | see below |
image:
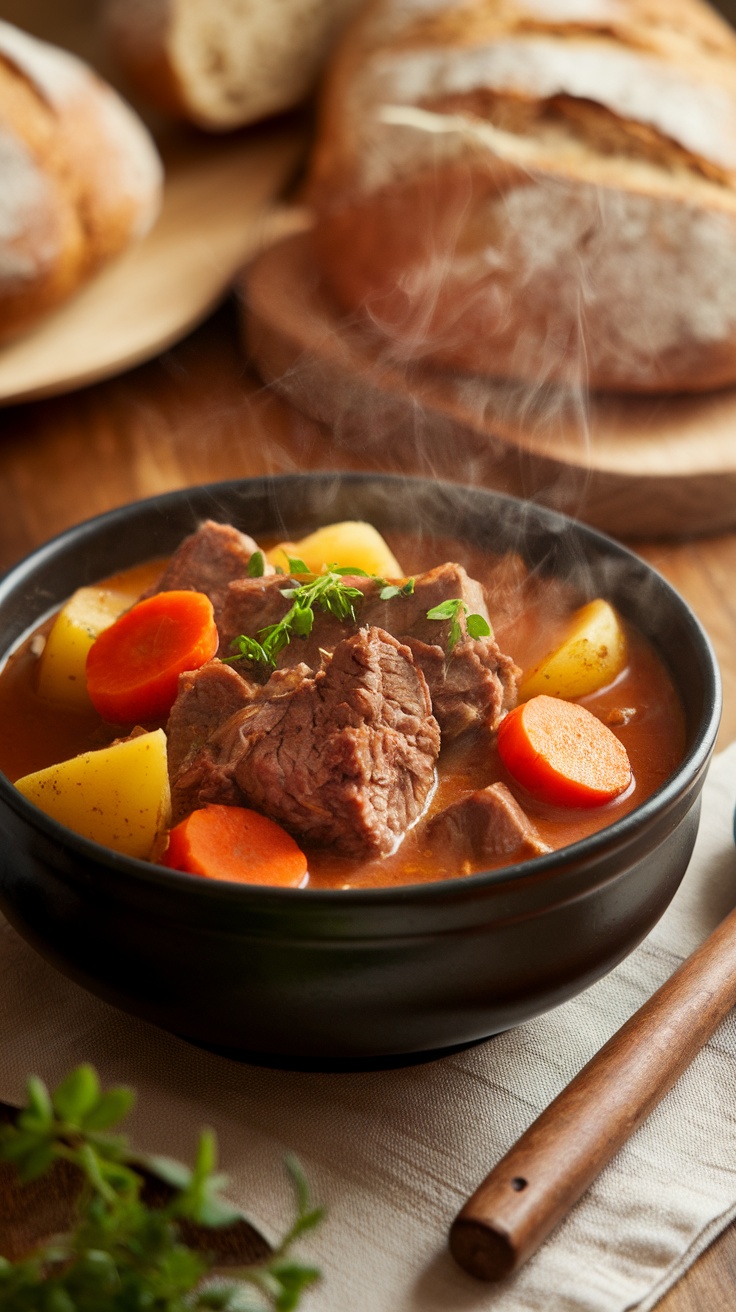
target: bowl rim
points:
(610, 838)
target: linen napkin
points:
(394, 1153)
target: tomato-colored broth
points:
(528, 614)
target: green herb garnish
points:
(451, 610)
(330, 594)
(123, 1254)
(327, 592)
(390, 590)
(256, 565)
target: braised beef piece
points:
(200, 766)
(485, 826)
(343, 758)
(208, 561)
(206, 698)
(472, 686)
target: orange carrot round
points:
(231, 842)
(562, 753)
(133, 667)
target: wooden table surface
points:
(197, 415)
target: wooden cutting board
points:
(218, 193)
(633, 466)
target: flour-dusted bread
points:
(79, 177)
(537, 189)
(223, 63)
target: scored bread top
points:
(542, 190)
(565, 83)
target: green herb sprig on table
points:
(123, 1254)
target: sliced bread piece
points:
(223, 63)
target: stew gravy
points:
(528, 615)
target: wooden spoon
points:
(562, 1152)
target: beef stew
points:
(371, 740)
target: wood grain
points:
(631, 466)
(197, 414)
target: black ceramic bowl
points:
(354, 975)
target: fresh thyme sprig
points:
(451, 610)
(123, 1254)
(327, 592)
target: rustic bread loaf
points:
(80, 177)
(223, 63)
(537, 189)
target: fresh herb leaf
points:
(297, 566)
(478, 627)
(451, 610)
(256, 565)
(77, 1094)
(124, 1254)
(390, 590)
(40, 1112)
(247, 648)
(109, 1110)
(447, 610)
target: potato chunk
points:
(118, 796)
(350, 543)
(61, 676)
(591, 655)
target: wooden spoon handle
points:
(555, 1160)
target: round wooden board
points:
(217, 192)
(633, 466)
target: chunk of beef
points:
(485, 826)
(348, 760)
(207, 697)
(200, 769)
(249, 605)
(344, 758)
(208, 561)
(409, 613)
(473, 685)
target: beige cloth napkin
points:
(394, 1153)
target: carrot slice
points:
(133, 667)
(562, 753)
(231, 842)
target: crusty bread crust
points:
(81, 177)
(543, 189)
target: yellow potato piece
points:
(61, 668)
(118, 796)
(350, 543)
(592, 654)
